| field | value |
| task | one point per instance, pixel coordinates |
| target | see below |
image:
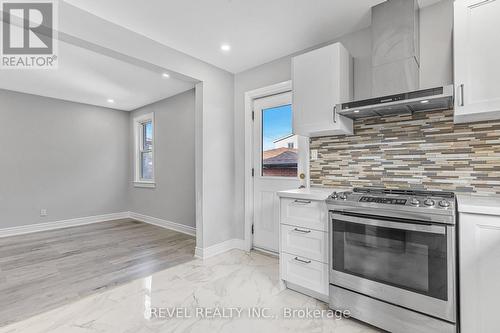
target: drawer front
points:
(304, 272)
(305, 242)
(304, 213)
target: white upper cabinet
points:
(477, 60)
(321, 79)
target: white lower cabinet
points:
(304, 213)
(304, 246)
(479, 253)
(304, 272)
(309, 243)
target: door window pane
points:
(279, 145)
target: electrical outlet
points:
(43, 212)
(314, 154)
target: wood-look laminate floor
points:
(44, 270)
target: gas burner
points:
(415, 202)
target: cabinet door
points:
(321, 79)
(477, 60)
(479, 273)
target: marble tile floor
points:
(235, 279)
(44, 270)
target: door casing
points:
(250, 96)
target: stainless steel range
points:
(393, 258)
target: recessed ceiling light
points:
(110, 100)
(225, 47)
(424, 101)
(166, 75)
(356, 111)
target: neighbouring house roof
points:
(280, 157)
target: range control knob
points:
(334, 195)
(429, 202)
(343, 196)
(415, 202)
(444, 203)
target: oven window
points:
(411, 260)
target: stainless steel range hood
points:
(396, 66)
(440, 98)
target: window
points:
(279, 151)
(144, 151)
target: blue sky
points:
(276, 123)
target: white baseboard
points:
(26, 229)
(163, 223)
(207, 252)
(266, 252)
(202, 253)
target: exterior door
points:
(278, 161)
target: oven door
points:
(403, 262)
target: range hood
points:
(396, 66)
(440, 98)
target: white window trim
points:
(138, 121)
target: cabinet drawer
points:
(304, 272)
(304, 213)
(305, 242)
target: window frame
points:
(139, 136)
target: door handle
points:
(462, 101)
(302, 231)
(335, 114)
(417, 227)
(303, 202)
(302, 261)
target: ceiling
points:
(258, 31)
(88, 77)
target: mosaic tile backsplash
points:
(421, 151)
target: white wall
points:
(436, 69)
(173, 198)
(69, 158)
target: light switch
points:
(314, 154)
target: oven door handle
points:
(395, 214)
(429, 228)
